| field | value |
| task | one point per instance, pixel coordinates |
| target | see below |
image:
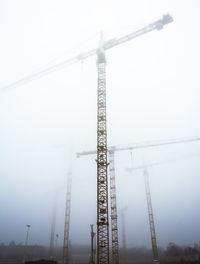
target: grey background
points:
(152, 93)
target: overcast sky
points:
(152, 93)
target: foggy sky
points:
(152, 93)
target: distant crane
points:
(53, 224)
(92, 253)
(113, 201)
(131, 169)
(151, 219)
(150, 211)
(102, 164)
(149, 201)
(66, 243)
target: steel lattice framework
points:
(102, 182)
(113, 201)
(113, 206)
(151, 219)
(67, 220)
(102, 188)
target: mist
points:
(153, 93)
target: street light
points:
(56, 248)
(26, 241)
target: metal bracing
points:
(113, 206)
(111, 151)
(113, 202)
(53, 225)
(102, 188)
(151, 220)
(102, 164)
(67, 221)
(148, 197)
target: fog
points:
(152, 94)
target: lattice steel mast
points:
(102, 164)
(150, 210)
(151, 219)
(149, 201)
(113, 205)
(66, 242)
(102, 206)
(113, 201)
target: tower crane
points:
(113, 200)
(102, 164)
(66, 242)
(151, 219)
(156, 25)
(149, 201)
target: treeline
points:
(171, 252)
(140, 254)
(175, 250)
(32, 251)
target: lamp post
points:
(56, 247)
(26, 241)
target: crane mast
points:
(102, 185)
(113, 215)
(113, 201)
(149, 201)
(150, 210)
(66, 241)
(151, 219)
(102, 164)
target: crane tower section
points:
(67, 220)
(102, 182)
(113, 205)
(151, 219)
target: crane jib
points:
(166, 19)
